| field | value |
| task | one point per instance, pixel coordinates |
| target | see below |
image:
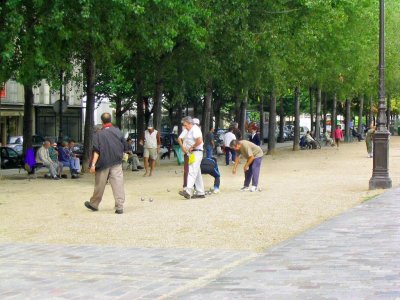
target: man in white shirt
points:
(191, 143)
(186, 157)
(228, 138)
(152, 144)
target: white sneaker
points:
(253, 189)
(216, 191)
(245, 189)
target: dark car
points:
(10, 158)
(15, 142)
(19, 139)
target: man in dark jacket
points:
(109, 146)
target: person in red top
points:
(338, 134)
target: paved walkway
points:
(353, 256)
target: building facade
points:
(46, 115)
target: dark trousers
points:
(214, 172)
(185, 169)
(253, 173)
(231, 151)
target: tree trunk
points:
(28, 109)
(90, 66)
(272, 125)
(217, 112)
(281, 138)
(140, 117)
(171, 117)
(243, 108)
(296, 138)
(318, 114)
(211, 121)
(325, 100)
(347, 122)
(334, 114)
(237, 106)
(179, 117)
(371, 113)
(171, 107)
(310, 90)
(60, 112)
(205, 123)
(147, 112)
(118, 113)
(261, 110)
(157, 108)
(360, 113)
(388, 111)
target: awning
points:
(11, 113)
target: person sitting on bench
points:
(43, 157)
(356, 134)
(133, 159)
(64, 156)
(328, 139)
(310, 140)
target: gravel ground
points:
(299, 191)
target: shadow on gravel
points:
(17, 177)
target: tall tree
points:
(272, 125)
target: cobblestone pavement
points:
(353, 256)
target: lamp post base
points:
(380, 183)
(380, 174)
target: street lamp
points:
(380, 172)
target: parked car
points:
(285, 134)
(10, 158)
(289, 127)
(288, 132)
(16, 147)
(303, 130)
(19, 139)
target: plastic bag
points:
(192, 158)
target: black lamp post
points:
(380, 172)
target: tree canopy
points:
(212, 56)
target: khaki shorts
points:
(150, 153)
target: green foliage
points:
(237, 45)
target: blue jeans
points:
(73, 165)
(209, 151)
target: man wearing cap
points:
(191, 144)
(152, 144)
